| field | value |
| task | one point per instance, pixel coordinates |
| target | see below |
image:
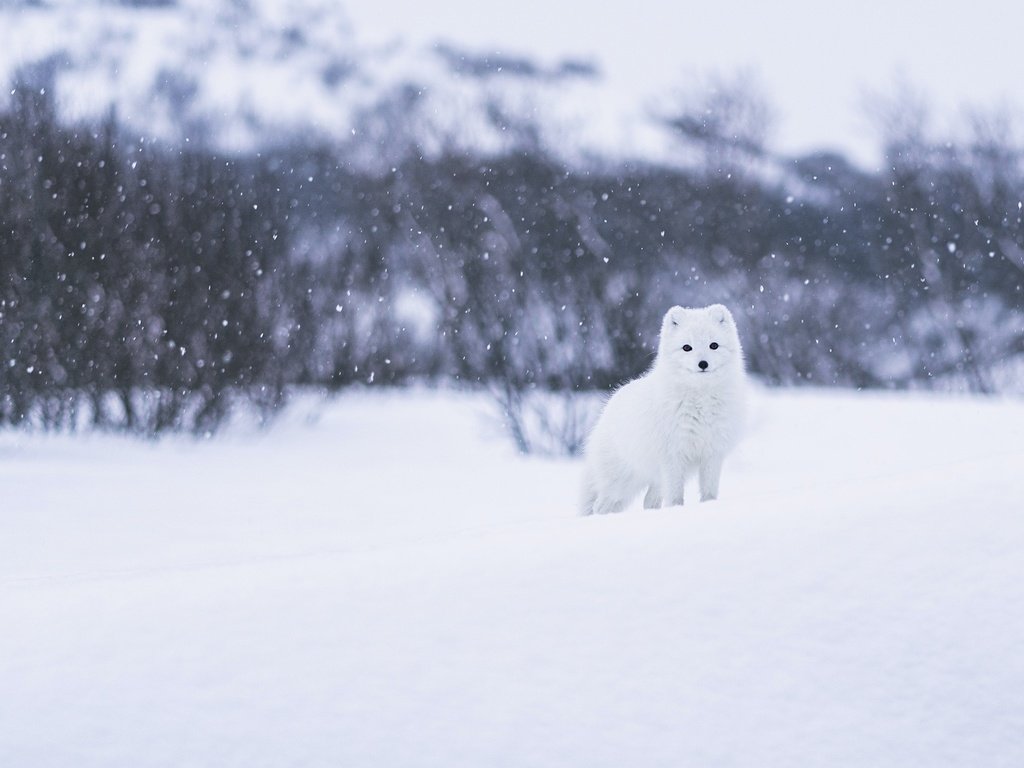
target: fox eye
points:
(687, 348)
(714, 345)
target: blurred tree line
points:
(145, 287)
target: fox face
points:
(699, 343)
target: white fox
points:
(679, 419)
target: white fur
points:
(673, 422)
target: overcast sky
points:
(816, 62)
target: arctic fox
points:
(678, 419)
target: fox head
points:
(699, 345)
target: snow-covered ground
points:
(381, 581)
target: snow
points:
(380, 580)
(247, 76)
(819, 70)
(245, 72)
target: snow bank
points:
(388, 585)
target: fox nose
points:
(703, 364)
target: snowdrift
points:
(385, 583)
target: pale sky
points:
(816, 62)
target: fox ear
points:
(721, 313)
(673, 317)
